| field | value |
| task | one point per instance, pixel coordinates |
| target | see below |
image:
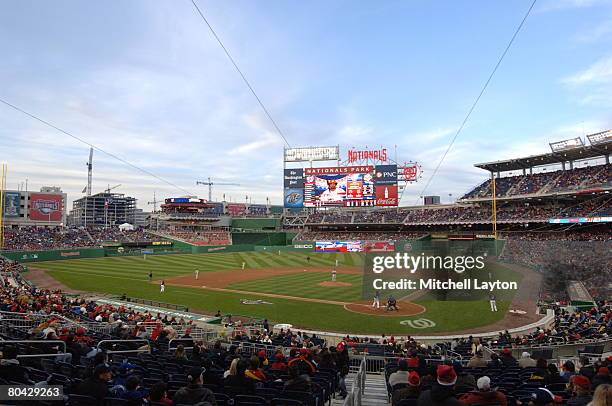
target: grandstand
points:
(123, 350)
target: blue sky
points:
(147, 81)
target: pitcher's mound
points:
(328, 284)
(405, 308)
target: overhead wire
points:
(242, 75)
(473, 106)
(55, 127)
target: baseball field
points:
(296, 288)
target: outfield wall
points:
(54, 255)
(259, 238)
(256, 223)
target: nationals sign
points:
(354, 155)
(45, 207)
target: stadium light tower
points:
(154, 203)
(211, 183)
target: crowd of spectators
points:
(212, 237)
(507, 211)
(358, 236)
(286, 363)
(46, 238)
(556, 181)
(41, 238)
(580, 257)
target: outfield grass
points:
(129, 275)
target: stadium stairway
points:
(375, 393)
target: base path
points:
(41, 279)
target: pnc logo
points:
(392, 174)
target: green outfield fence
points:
(261, 238)
(54, 255)
(257, 223)
(242, 242)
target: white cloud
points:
(598, 72)
(558, 5)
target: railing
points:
(28, 321)
(196, 333)
(375, 364)
(154, 303)
(136, 350)
(62, 354)
(358, 388)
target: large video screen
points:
(341, 186)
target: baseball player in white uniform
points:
(376, 303)
(493, 302)
(197, 273)
(162, 287)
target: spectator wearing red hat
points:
(342, 362)
(602, 377)
(581, 387)
(263, 358)
(484, 395)
(279, 363)
(506, 358)
(411, 391)
(442, 392)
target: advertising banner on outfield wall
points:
(294, 198)
(45, 207)
(379, 246)
(339, 246)
(12, 202)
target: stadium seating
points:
(82, 324)
(42, 238)
(545, 182)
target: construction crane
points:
(210, 185)
(109, 188)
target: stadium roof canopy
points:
(573, 154)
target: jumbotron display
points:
(348, 186)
